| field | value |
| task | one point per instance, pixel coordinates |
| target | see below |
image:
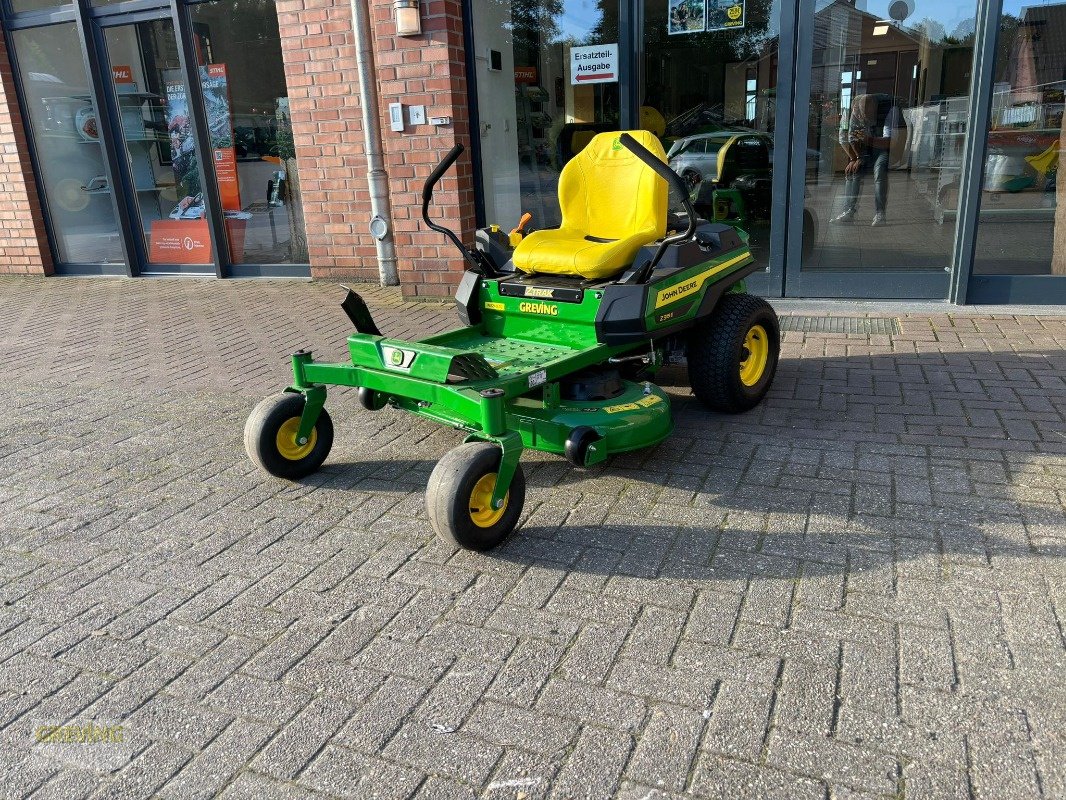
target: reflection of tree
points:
(533, 24)
(929, 30)
(1008, 33)
(681, 69)
(605, 30)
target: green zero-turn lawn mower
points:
(562, 330)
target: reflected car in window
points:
(741, 160)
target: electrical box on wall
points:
(417, 115)
(396, 116)
(495, 60)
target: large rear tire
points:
(733, 354)
(458, 498)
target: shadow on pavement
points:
(852, 462)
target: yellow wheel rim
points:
(757, 346)
(481, 511)
(286, 440)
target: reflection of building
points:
(497, 75)
(1030, 90)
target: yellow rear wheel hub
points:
(286, 440)
(757, 347)
(481, 511)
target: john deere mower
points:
(563, 330)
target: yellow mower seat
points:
(612, 205)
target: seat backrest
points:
(606, 192)
(742, 155)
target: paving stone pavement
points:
(856, 590)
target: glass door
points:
(160, 168)
(1020, 245)
(547, 75)
(883, 100)
(709, 90)
(62, 121)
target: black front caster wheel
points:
(578, 443)
(270, 437)
(459, 495)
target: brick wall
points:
(320, 66)
(24, 243)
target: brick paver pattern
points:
(854, 591)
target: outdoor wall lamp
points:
(408, 18)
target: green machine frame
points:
(508, 376)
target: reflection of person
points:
(866, 135)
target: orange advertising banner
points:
(215, 82)
(226, 173)
(180, 241)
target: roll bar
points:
(674, 181)
(477, 259)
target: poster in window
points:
(215, 83)
(183, 151)
(725, 15)
(687, 16)
(215, 87)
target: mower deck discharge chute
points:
(563, 330)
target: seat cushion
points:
(569, 252)
(611, 203)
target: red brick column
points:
(319, 54)
(24, 244)
(427, 70)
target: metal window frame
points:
(949, 284)
(31, 140)
(95, 40)
(181, 11)
(39, 18)
(771, 283)
(91, 21)
(631, 51)
(971, 178)
(981, 288)
(473, 115)
(205, 162)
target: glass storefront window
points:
(888, 121)
(534, 108)
(70, 160)
(160, 149)
(247, 108)
(708, 89)
(1022, 222)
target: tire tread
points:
(261, 429)
(446, 501)
(712, 353)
